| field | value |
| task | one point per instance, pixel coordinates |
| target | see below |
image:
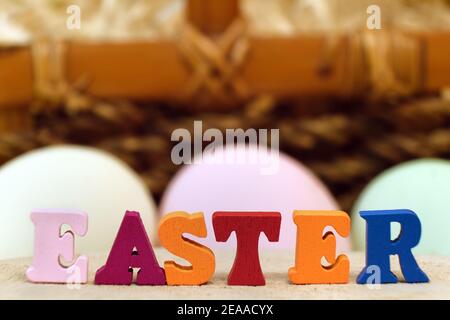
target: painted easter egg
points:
(248, 179)
(74, 178)
(420, 185)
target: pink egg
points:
(244, 179)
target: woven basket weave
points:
(346, 143)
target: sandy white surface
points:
(13, 284)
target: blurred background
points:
(349, 102)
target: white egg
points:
(70, 177)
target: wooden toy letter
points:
(171, 230)
(246, 270)
(131, 249)
(379, 246)
(312, 245)
(50, 246)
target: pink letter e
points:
(50, 246)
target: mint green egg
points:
(420, 185)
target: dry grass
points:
(23, 20)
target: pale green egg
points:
(420, 185)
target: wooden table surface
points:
(13, 284)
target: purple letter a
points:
(131, 249)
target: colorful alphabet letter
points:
(312, 245)
(246, 270)
(131, 249)
(171, 231)
(379, 245)
(50, 246)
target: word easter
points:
(132, 248)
